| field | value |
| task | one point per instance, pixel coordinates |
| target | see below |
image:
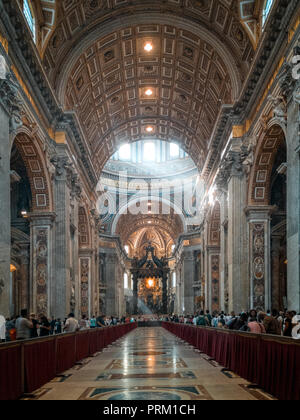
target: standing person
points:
(35, 324)
(288, 329)
(221, 321)
(83, 323)
(100, 321)
(255, 326)
(202, 321)
(10, 329)
(23, 326)
(71, 324)
(2, 329)
(58, 326)
(271, 323)
(52, 325)
(45, 327)
(208, 317)
(93, 322)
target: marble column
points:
(135, 294)
(24, 275)
(259, 233)
(61, 290)
(41, 263)
(223, 251)
(165, 294)
(111, 281)
(188, 281)
(293, 204)
(238, 282)
(277, 292)
(9, 121)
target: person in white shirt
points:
(2, 328)
(71, 324)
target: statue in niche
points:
(248, 154)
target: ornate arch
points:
(36, 170)
(260, 178)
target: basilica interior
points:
(149, 157)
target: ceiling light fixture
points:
(149, 92)
(148, 47)
(149, 129)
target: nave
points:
(149, 364)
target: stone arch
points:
(36, 170)
(259, 192)
(84, 236)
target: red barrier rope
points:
(273, 363)
(26, 366)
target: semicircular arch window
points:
(267, 10)
(29, 16)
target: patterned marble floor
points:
(149, 364)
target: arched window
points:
(266, 11)
(126, 284)
(174, 151)
(174, 280)
(149, 152)
(125, 152)
(27, 10)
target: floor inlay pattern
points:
(147, 393)
(108, 376)
(149, 364)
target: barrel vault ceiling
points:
(200, 56)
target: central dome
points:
(150, 159)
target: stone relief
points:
(41, 271)
(258, 264)
(296, 96)
(9, 97)
(84, 281)
(279, 108)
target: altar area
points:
(150, 277)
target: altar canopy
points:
(150, 283)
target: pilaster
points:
(259, 233)
(41, 262)
(10, 120)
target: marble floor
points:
(149, 364)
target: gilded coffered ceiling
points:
(199, 59)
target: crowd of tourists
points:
(25, 327)
(270, 322)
